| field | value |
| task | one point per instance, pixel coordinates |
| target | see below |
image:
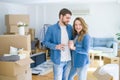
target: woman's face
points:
(78, 26)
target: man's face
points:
(65, 19)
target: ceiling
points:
(56, 1)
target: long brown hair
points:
(84, 28)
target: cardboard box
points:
(18, 41)
(113, 60)
(118, 53)
(26, 75)
(9, 33)
(13, 19)
(14, 68)
(32, 33)
(14, 29)
(102, 77)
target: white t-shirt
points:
(65, 54)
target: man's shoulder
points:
(53, 26)
(69, 25)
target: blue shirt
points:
(80, 55)
(53, 38)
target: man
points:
(56, 38)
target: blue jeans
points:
(61, 71)
(81, 72)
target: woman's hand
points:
(71, 45)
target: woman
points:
(80, 48)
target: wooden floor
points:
(49, 76)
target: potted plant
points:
(21, 28)
(118, 36)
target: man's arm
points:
(48, 38)
(48, 43)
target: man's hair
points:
(64, 11)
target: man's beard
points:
(64, 22)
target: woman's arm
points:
(85, 45)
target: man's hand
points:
(60, 46)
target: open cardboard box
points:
(15, 69)
(18, 41)
(26, 75)
(102, 77)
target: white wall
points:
(36, 18)
(3, 10)
(52, 10)
(103, 20)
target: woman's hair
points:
(83, 31)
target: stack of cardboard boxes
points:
(11, 21)
(34, 41)
(32, 33)
(17, 70)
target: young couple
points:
(69, 47)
